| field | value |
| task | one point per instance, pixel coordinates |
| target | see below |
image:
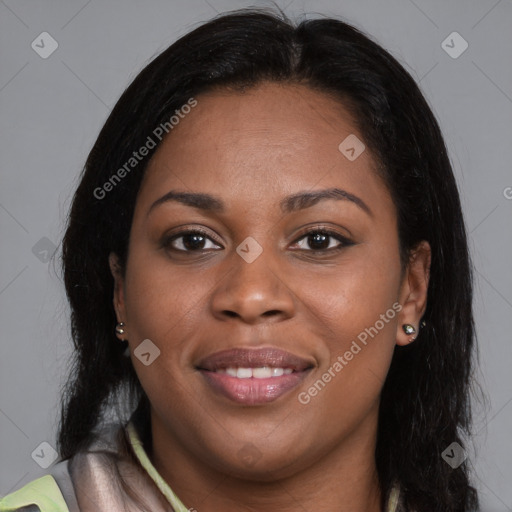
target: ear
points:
(413, 292)
(119, 301)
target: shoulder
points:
(40, 495)
(55, 491)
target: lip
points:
(254, 358)
(253, 391)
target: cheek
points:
(160, 303)
(354, 297)
(159, 296)
(357, 314)
(164, 305)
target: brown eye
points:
(323, 240)
(189, 241)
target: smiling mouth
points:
(253, 377)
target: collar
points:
(138, 448)
(143, 458)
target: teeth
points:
(231, 372)
(244, 373)
(264, 372)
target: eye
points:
(318, 239)
(191, 240)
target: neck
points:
(343, 480)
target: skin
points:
(251, 149)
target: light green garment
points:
(45, 495)
(43, 492)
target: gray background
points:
(52, 110)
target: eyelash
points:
(344, 242)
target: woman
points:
(269, 279)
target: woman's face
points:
(274, 344)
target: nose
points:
(253, 292)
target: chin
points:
(252, 463)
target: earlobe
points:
(413, 294)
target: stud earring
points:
(120, 328)
(408, 329)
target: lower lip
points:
(253, 391)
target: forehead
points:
(261, 144)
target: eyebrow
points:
(289, 204)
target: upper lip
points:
(253, 358)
